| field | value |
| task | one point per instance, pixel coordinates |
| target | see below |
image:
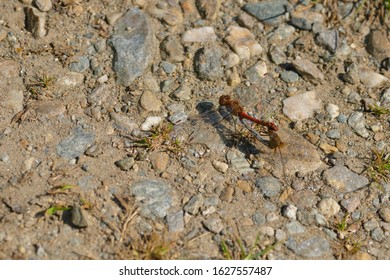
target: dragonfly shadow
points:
(224, 123)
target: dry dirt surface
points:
(113, 145)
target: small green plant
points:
(379, 169)
(160, 138)
(39, 84)
(53, 209)
(378, 110)
(240, 252)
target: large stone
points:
(133, 43)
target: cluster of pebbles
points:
(81, 80)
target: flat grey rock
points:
(75, 144)
(133, 43)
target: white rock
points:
(150, 122)
(333, 110)
(328, 207)
(301, 106)
(203, 34)
(371, 79)
(290, 211)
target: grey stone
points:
(295, 227)
(377, 234)
(333, 134)
(208, 63)
(125, 164)
(194, 204)
(269, 186)
(277, 55)
(175, 222)
(289, 76)
(371, 225)
(75, 144)
(133, 43)
(357, 122)
(80, 65)
(270, 11)
(78, 218)
(328, 39)
(154, 197)
(168, 67)
(344, 180)
(314, 247)
(258, 218)
(214, 224)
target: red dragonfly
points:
(298, 154)
(237, 110)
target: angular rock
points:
(214, 224)
(328, 40)
(344, 180)
(171, 50)
(71, 79)
(35, 22)
(208, 63)
(357, 122)
(256, 73)
(133, 43)
(123, 123)
(150, 102)
(301, 106)
(194, 204)
(308, 70)
(78, 218)
(243, 42)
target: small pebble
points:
(125, 164)
(269, 186)
(220, 166)
(243, 42)
(290, 211)
(43, 5)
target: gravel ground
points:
(110, 147)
